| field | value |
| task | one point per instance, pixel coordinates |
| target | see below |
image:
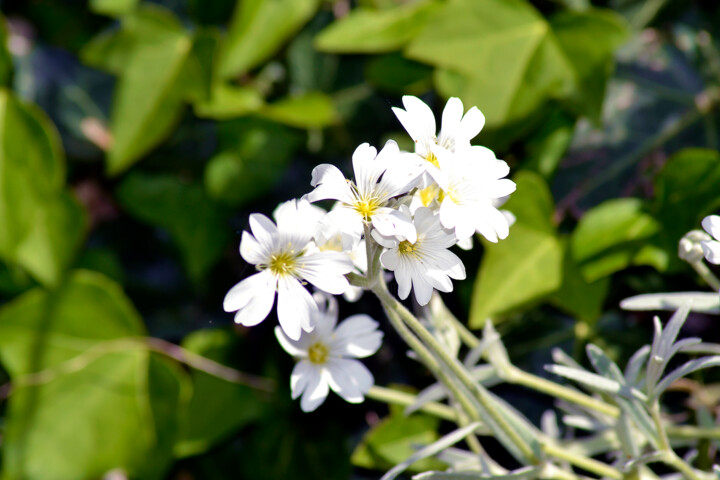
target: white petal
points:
(263, 229)
(357, 336)
(258, 307)
(404, 281)
(295, 348)
(711, 224)
(389, 222)
(346, 220)
(366, 169)
(315, 392)
(451, 116)
(422, 288)
(387, 242)
(711, 250)
(500, 188)
(296, 307)
(301, 376)
(350, 379)
(326, 271)
(422, 116)
(251, 250)
(297, 221)
(390, 260)
(471, 124)
(497, 221)
(329, 183)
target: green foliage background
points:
(136, 136)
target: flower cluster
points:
(401, 211)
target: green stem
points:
(670, 458)
(583, 462)
(706, 274)
(480, 394)
(396, 397)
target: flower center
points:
(367, 207)
(283, 263)
(318, 353)
(407, 248)
(428, 194)
(432, 159)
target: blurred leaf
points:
(395, 439)
(685, 191)
(589, 40)
(527, 265)
(41, 226)
(576, 295)
(6, 61)
(613, 236)
(195, 223)
(258, 29)
(227, 101)
(547, 147)
(308, 68)
(149, 94)
(705, 302)
(249, 165)
(376, 31)
(500, 55)
(113, 8)
(122, 397)
(309, 110)
(217, 407)
(395, 74)
(198, 71)
(102, 260)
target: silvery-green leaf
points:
(685, 369)
(583, 422)
(524, 473)
(461, 460)
(450, 439)
(635, 364)
(549, 425)
(475, 354)
(653, 370)
(562, 358)
(671, 331)
(711, 348)
(485, 374)
(590, 380)
(496, 352)
(682, 346)
(625, 435)
(703, 302)
(644, 459)
(603, 365)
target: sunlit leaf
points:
(376, 31)
(309, 110)
(112, 8)
(258, 29)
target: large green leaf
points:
(41, 226)
(527, 265)
(686, 190)
(195, 223)
(217, 407)
(376, 31)
(112, 8)
(6, 62)
(500, 55)
(253, 154)
(589, 39)
(258, 29)
(396, 438)
(149, 95)
(309, 110)
(613, 236)
(103, 401)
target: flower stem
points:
(480, 394)
(397, 397)
(583, 462)
(706, 274)
(670, 458)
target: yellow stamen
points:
(407, 248)
(367, 207)
(432, 159)
(318, 353)
(283, 263)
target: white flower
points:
(285, 256)
(378, 178)
(711, 248)
(470, 189)
(326, 357)
(456, 131)
(424, 264)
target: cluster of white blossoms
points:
(711, 246)
(401, 210)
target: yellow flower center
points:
(432, 159)
(428, 194)
(367, 207)
(318, 353)
(283, 263)
(407, 248)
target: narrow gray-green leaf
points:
(524, 473)
(703, 302)
(683, 370)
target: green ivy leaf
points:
(103, 390)
(376, 31)
(613, 236)
(228, 101)
(41, 225)
(151, 54)
(253, 153)
(113, 8)
(217, 408)
(394, 439)
(309, 110)
(396, 74)
(527, 265)
(500, 55)
(589, 40)
(258, 29)
(195, 223)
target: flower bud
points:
(689, 248)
